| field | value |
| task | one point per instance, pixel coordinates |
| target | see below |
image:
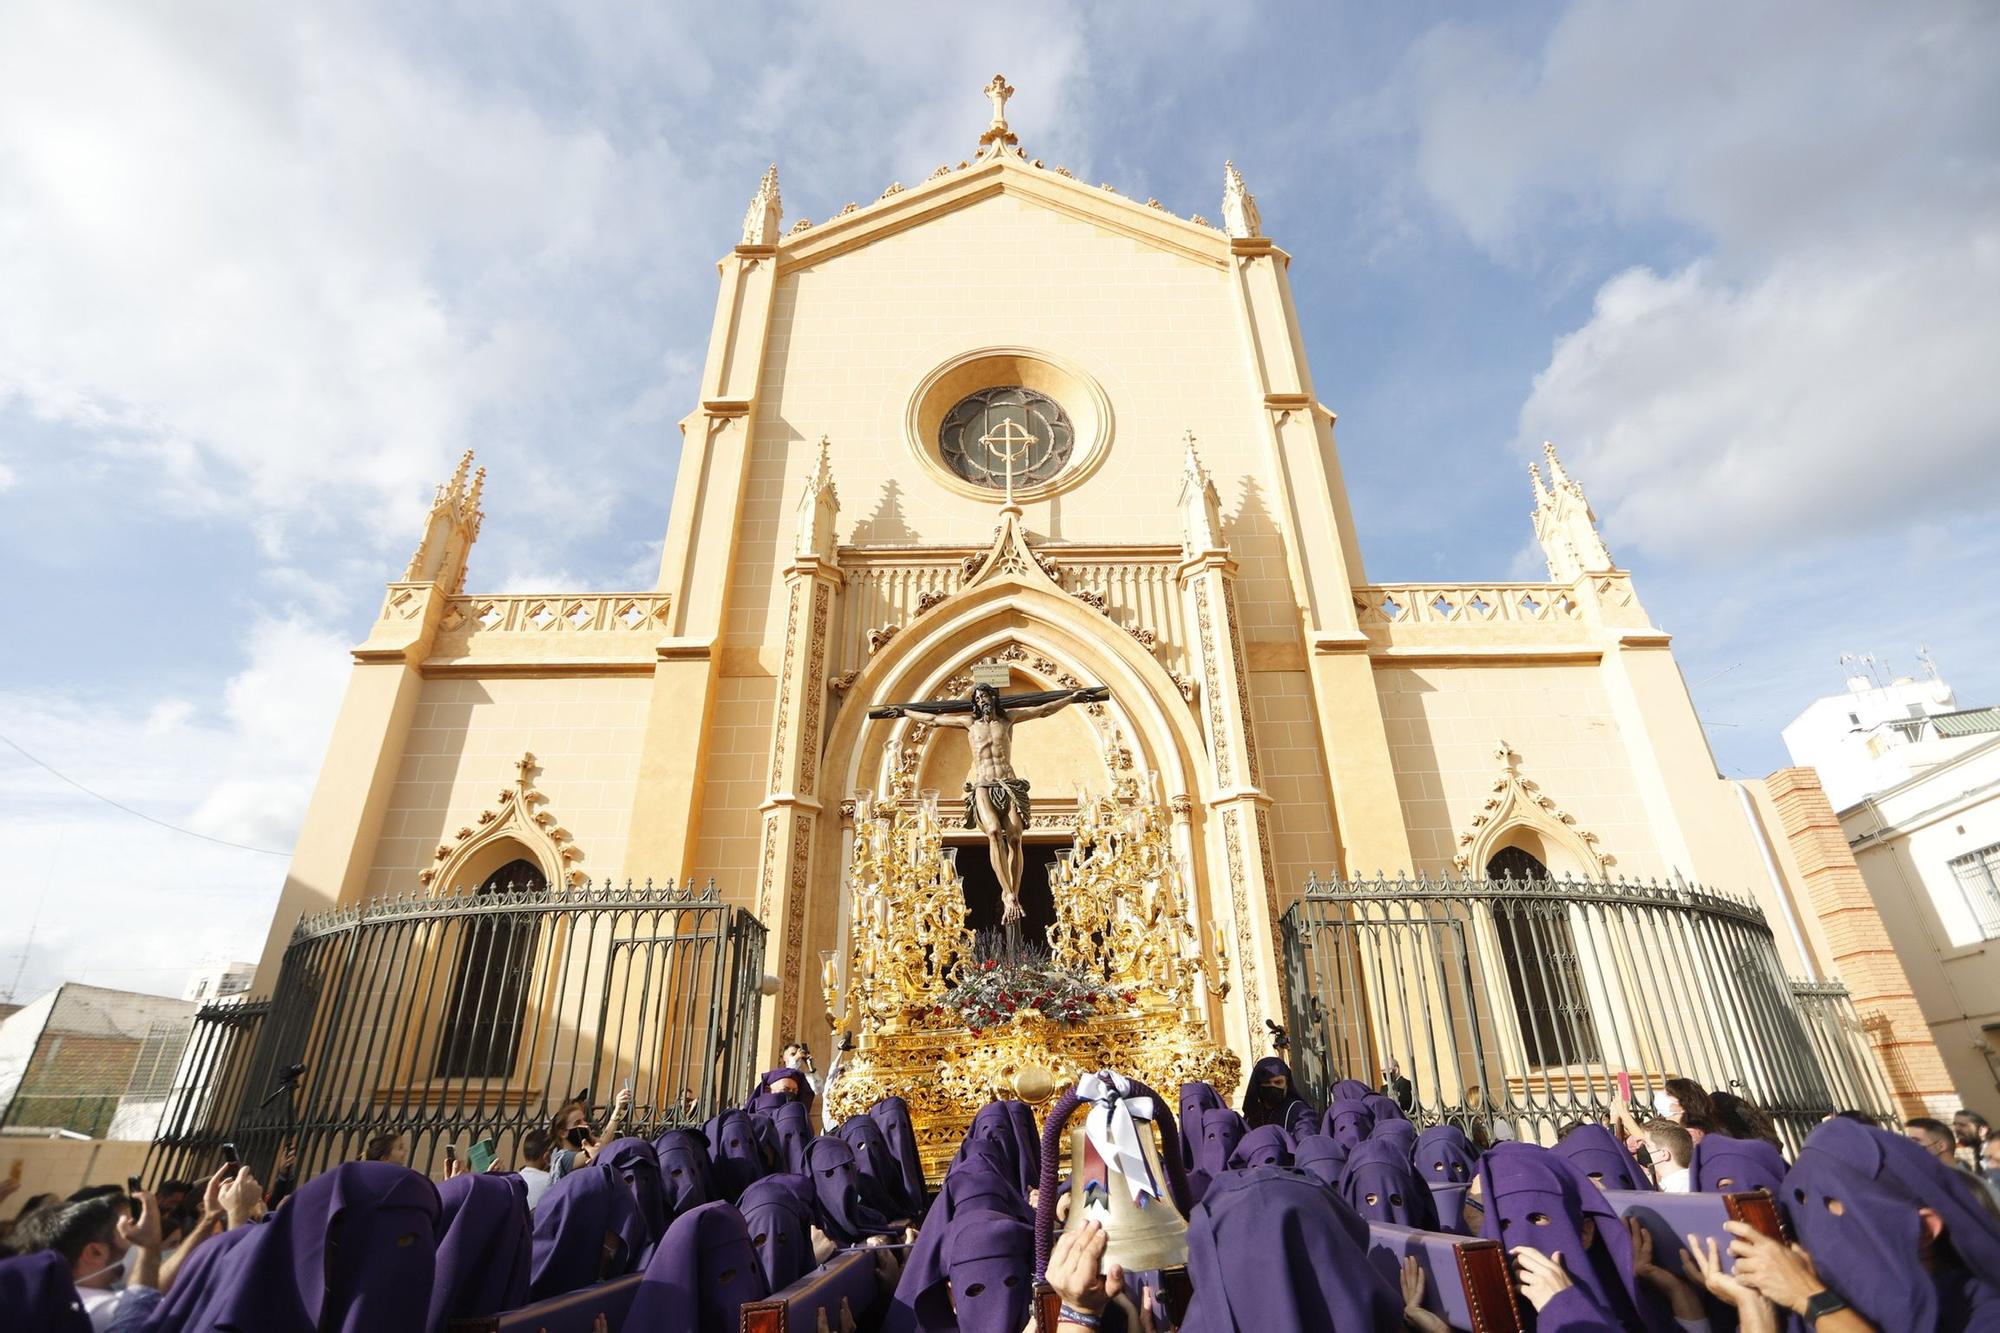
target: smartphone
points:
(577, 1136)
(481, 1155)
(133, 1185)
(229, 1157)
(1624, 1082)
(451, 1152)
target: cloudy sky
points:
(265, 270)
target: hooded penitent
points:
(579, 1226)
(793, 1126)
(1596, 1151)
(1722, 1165)
(1533, 1197)
(36, 1293)
(842, 1212)
(1268, 1093)
(1401, 1133)
(1444, 1156)
(1195, 1098)
(993, 1128)
(1853, 1197)
(1214, 1143)
(1381, 1185)
(485, 1244)
(1027, 1142)
(779, 1215)
(636, 1163)
(893, 1115)
(700, 1276)
(1349, 1090)
(737, 1158)
(989, 1263)
(196, 1288)
(971, 1186)
(1274, 1251)
(1322, 1157)
(881, 1178)
(1348, 1123)
(766, 1098)
(1382, 1108)
(1267, 1145)
(354, 1250)
(1301, 1120)
(684, 1170)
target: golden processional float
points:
(1122, 985)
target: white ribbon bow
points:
(1112, 1129)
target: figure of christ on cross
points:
(996, 798)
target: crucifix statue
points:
(996, 798)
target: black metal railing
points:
(1847, 1051)
(1515, 1005)
(464, 1016)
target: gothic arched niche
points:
(1060, 755)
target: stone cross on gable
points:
(999, 91)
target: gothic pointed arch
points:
(521, 827)
(1519, 814)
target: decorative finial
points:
(819, 505)
(449, 529)
(1239, 206)
(760, 221)
(1557, 477)
(1542, 494)
(1201, 507)
(998, 139)
(1565, 524)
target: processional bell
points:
(1143, 1230)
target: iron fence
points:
(473, 1015)
(1847, 1053)
(1516, 1005)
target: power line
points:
(137, 814)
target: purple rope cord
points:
(1052, 1134)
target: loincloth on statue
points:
(1006, 793)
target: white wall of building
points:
(1855, 741)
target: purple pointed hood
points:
(893, 1115)
(881, 1178)
(1027, 1142)
(580, 1226)
(1596, 1151)
(684, 1170)
(1533, 1197)
(197, 1288)
(703, 1271)
(636, 1164)
(1301, 1120)
(779, 1213)
(1350, 1124)
(1195, 1098)
(971, 1186)
(1380, 1184)
(993, 1126)
(1322, 1157)
(354, 1250)
(484, 1247)
(1349, 1090)
(1722, 1165)
(843, 1213)
(1399, 1132)
(1853, 1197)
(1267, 1145)
(1444, 1156)
(736, 1156)
(989, 1261)
(1221, 1132)
(1274, 1251)
(36, 1293)
(793, 1126)
(1382, 1107)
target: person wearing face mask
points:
(1269, 1093)
(113, 1259)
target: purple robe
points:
(1027, 1142)
(736, 1157)
(778, 1211)
(197, 1285)
(1869, 1250)
(1596, 1151)
(1722, 1165)
(792, 1124)
(1444, 1156)
(893, 1115)
(1350, 1124)
(1195, 1098)
(989, 1263)
(1381, 1184)
(485, 1244)
(572, 1223)
(353, 1250)
(684, 1170)
(1321, 1157)
(1523, 1182)
(843, 1212)
(1274, 1251)
(1382, 1107)
(971, 1186)
(1301, 1120)
(703, 1271)
(636, 1164)
(1260, 1108)
(881, 1179)
(1267, 1145)
(1349, 1090)
(36, 1293)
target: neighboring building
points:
(1075, 441)
(213, 981)
(70, 1057)
(1874, 736)
(1929, 848)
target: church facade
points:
(1005, 423)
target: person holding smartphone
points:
(576, 1144)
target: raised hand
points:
(1073, 1266)
(1541, 1276)
(1703, 1259)
(1414, 1314)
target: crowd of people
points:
(1884, 1231)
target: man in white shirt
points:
(1672, 1149)
(113, 1258)
(535, 1146)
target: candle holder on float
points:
(1123, 983)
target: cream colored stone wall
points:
(852, 336)
(1445, 722)
(465, 738)
(1295, 778)
(734, 785)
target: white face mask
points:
(122, 1266)
(1666, 1105)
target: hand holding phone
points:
(229, 1157)
(133, 1186)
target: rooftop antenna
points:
(1924, 656)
